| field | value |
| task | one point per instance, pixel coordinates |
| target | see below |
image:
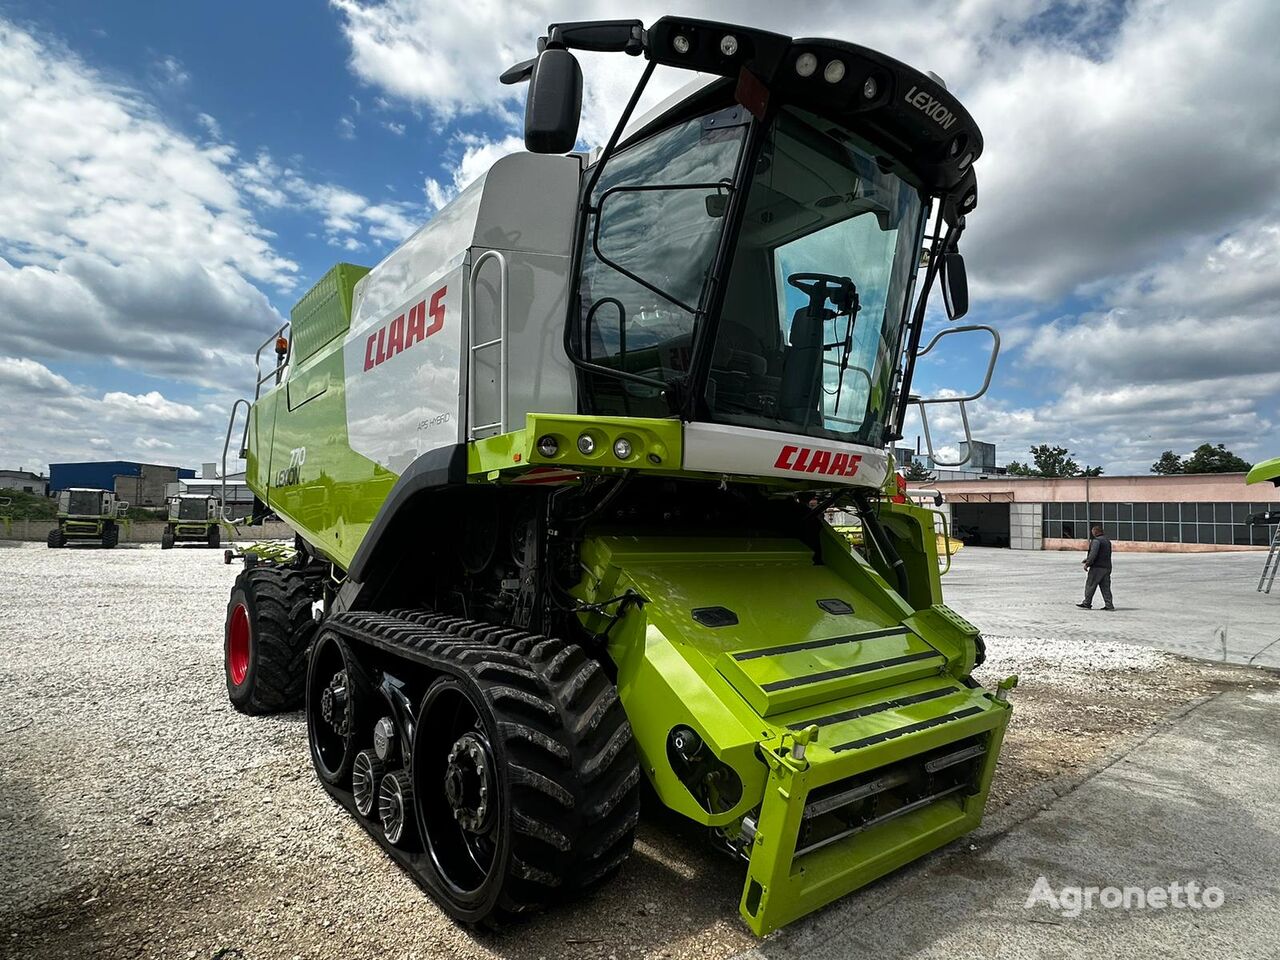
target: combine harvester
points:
(85, 515)
(193, 518)
(558, 468)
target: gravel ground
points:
(140, 816)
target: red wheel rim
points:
(238, 645)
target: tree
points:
(1051, 462)
(917, 471)
(1168, 464)
(1207, 458)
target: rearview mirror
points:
(955, 286)
(554, 106)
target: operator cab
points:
(748, 257)
(85, 502)
(817, 286)
(194, 507)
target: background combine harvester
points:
(193, 518)
(86, 515)
(558, 468)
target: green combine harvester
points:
(558, 468)
(193, 518)
(86, 515)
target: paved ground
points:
(1196, 802)
(1201, 605)
(141, 817)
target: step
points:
(788, 676)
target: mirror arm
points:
(599, 36)
(917, 326)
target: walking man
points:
(1098, 563)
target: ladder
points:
(499, 343)
(1272, 565)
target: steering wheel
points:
(821, 287)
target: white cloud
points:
(125, 241)
(71, 422)
(169, 72)
(478, 155)
(210, 124)
(87, 167)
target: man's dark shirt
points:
(1100, 553)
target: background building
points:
(141, 484)
(24, 481)
(1184, 512)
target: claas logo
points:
(405, 330)
(826, 462)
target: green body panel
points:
(748, 689)
(656, 446)
(299, 460)
(324, 312)
(1267, 470)
(88, 529)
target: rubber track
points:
(572, 772)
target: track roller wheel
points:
(366, 777)
(268, 632)
(395, 808)
(339, 704)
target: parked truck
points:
(558, 468)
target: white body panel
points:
(403, 402)
(403, 370)
(742, 451)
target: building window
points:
(1215, 524)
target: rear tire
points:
(110, 536)
(57, 538)
(166, 540)
(215, 537)
(268, 633)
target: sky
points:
(173, 177)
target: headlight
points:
(622, 448)
(834, 72)
(681, 43)
(586, 444)
(806, 63)
(728, 44)
(547, 446)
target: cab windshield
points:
(190, 509)
(85, 503)
(817, 291)
(819, 202)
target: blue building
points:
(141, 484)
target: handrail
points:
(946, 538)
(959, 401)
(279, 367)
(500, 342)
(226, 445)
